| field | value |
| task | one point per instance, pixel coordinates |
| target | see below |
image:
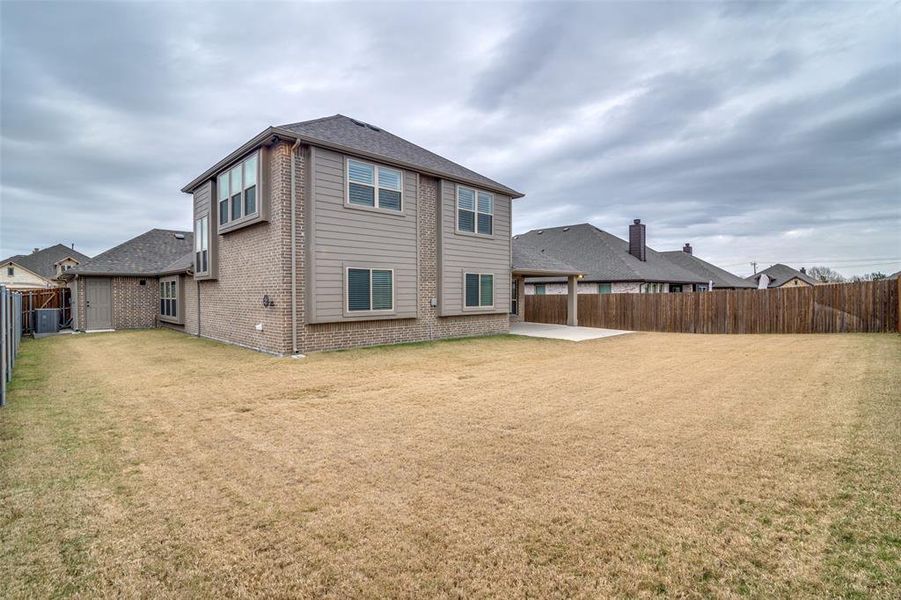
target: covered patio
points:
(562, 332)
(531, 263)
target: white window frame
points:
(480, 306)
(226, 173)
(376, 185)
(476, 212)
(202, 242)
(371, 310)
(172, 285)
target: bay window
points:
(202, 244)
(236, 190)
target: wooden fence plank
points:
(867, 306)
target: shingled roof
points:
(353, 136)
(528, 260)
(720, 277)
(43, 262)
(601, 256)
(153, 253)
(779, 274)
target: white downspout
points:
(294, 247)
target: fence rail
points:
(868, 306)
(10, 335)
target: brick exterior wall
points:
(134, 306)
(257, 260)
(253, 262)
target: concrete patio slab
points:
(562, 332)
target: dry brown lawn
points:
(158, 465)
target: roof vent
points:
(179, 236)
(515, 237)
(540, 231)
(372, 127)
(358, 123)
(566, 229)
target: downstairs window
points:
(370, 290)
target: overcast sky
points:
(767, 132)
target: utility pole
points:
(754, 264)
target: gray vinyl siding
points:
(460, 253)
(342, 237)
(205, 204)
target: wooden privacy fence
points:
(33, 300)
(868, 306)
(10, 335)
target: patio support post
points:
(572, 301)
(521, 298)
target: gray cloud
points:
(756, 131)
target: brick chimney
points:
(686, 248)
(637, 239)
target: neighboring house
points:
(609, 264)
(334, 233)
(720, 278)
(895, 275)
(139, 283)
(41, 268)
(780, 275)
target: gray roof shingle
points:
(601, 256)
(360, 136)
(720, 277)
(150, 253)
(43, 262)
(527, 259)
(779, 274)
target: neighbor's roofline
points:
(270, 132)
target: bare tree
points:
(826, 275)
(874, 276)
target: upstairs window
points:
(374, 186)
(236, 190)
(475, 211)
(201, 244)
(370, 290)
(168, 299)
(478, 290)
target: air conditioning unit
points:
(46, 320)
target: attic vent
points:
(358, 123)
(540, 231)
(566, 229)
(372, 127)
(515, 237)
(179, 236)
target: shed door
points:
(98, 304)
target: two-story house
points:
(334, 233)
